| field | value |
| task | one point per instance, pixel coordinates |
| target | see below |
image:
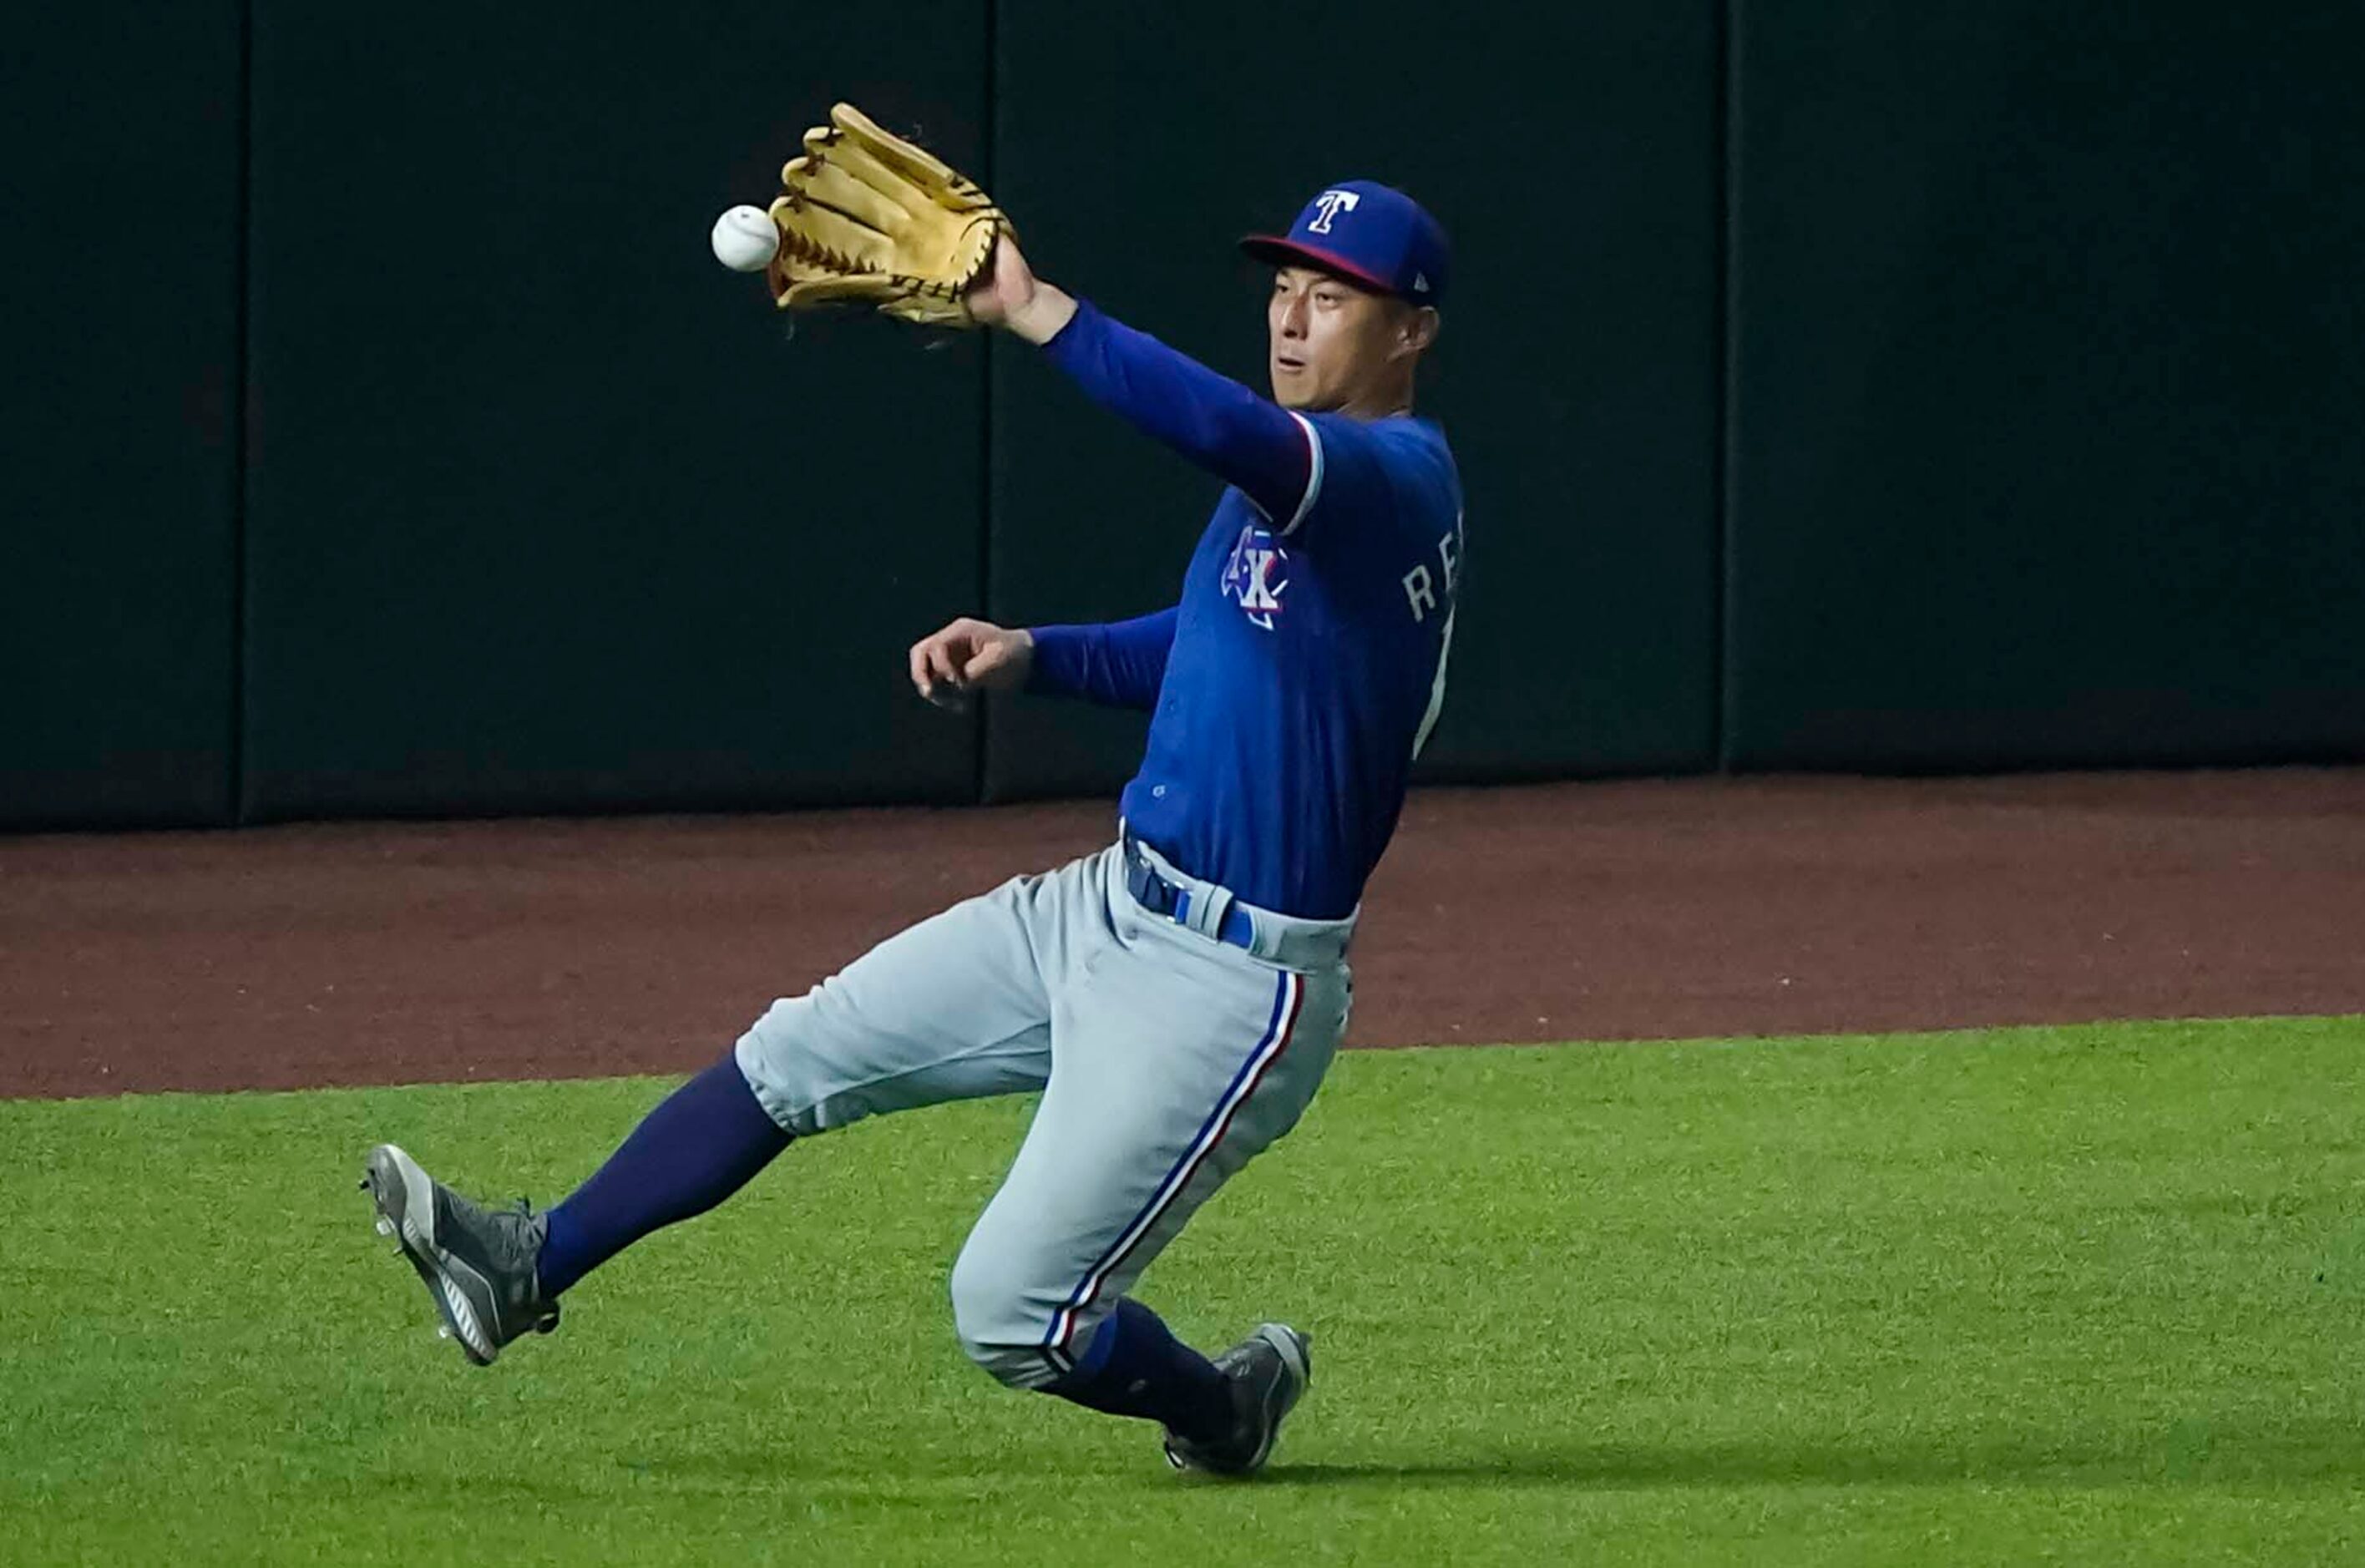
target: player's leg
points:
(952, 1009)
(1173, 1065)
(1221, 1414)
(956, 1007)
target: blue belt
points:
(1159, 896)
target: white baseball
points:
(745, 240)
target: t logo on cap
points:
(1331, 203)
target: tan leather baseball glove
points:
(869, 217)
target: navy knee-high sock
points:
(699, 1146)
(1134, 1366)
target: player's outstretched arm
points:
(1121, 664)
(1243, 438)
(1118, 663)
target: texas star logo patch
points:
(1253, 576)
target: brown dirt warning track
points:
(294, 956)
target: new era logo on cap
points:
(1368, 234)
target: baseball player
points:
(1177, 996)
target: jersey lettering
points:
(1449, 551)
(1420, 592)
(1421, 588)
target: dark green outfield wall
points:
(2049, 400)
(543, 511)
(1858, 386)
(119, 131)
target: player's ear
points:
(1417, 327)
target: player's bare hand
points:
(1010, 295)
(969, 655)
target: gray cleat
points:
(477, 1263)
(1270, 1372)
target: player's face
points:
(1332, 345)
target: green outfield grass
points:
(2089, 1295)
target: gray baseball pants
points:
(1167, 1060)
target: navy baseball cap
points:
(1368, 234)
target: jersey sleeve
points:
(1363, 476)
(1119, 664)
(1251, 443)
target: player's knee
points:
(795, 1058)
(991, 1315)
(1012, 1366)
(770, 1057)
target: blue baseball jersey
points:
(1304, 664)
